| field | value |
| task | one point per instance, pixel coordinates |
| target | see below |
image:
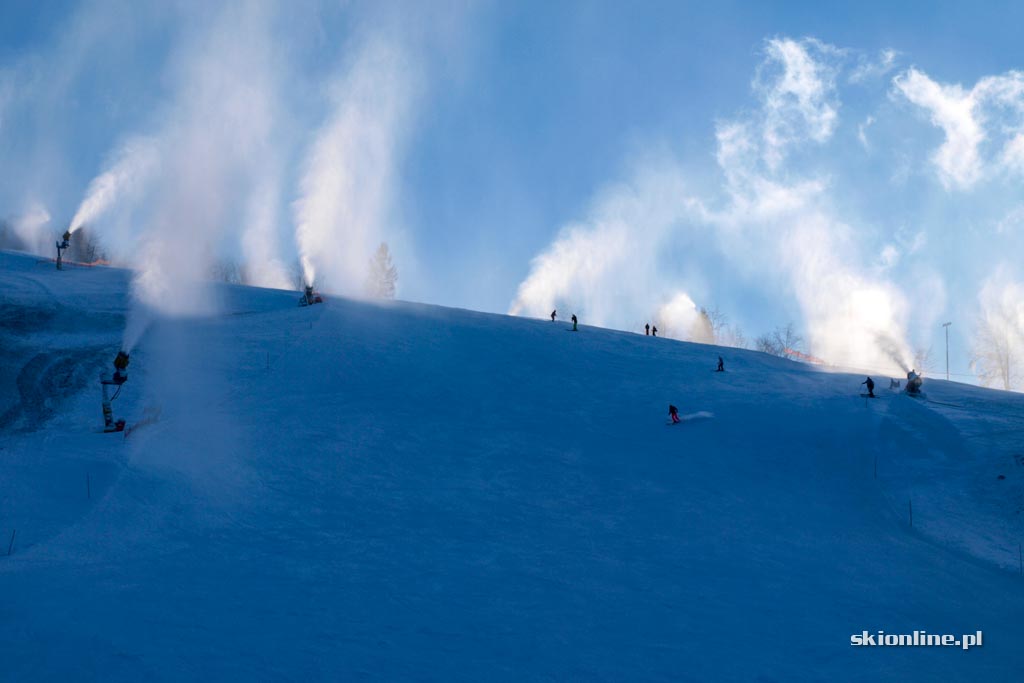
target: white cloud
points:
(994, 107)
(1012, 221)
(797, 86)
(871, 69)
(890, 256)
(862, 130)
(953, 110)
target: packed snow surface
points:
(400, 491)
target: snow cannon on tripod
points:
(61, 246)
(118, 379)
(914, 383)
(310, 297)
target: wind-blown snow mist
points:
(132, 168)
(345, 191)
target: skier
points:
(673, 412)
(654, 331)
(647, 329)
(553, 315)
(871, 386)
(574, 323)
(721, 365)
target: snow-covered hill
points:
(404, 491)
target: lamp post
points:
(946, 325)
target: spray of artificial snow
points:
(133, 164)
(345, 189)
(29, 227)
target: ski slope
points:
(402, 491)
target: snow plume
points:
(31, 229)
(680, 319)
(607, 269)
(993, 107)
(851, 317)
(260, 246)
(215, 147)
(771, 229)
(345, 191)
(137, 321)
(132, 167)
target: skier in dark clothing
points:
(574, 322)
(647, 329)
(721, 365)
(654, 331)
(673, 412)
(553, 315)
(871, 386)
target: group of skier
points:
(652, 331)
(575, 322)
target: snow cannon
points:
(310, 297)
(61, 246)
(914, 383)
(119, 377)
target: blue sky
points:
(485, 140)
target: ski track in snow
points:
(402, 491)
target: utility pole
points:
(946, 325)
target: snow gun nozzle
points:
(309, 296)
(121, 367)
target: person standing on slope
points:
(654, 331)
(647, 329)
(553, 315)
(721, 365)
(574, 323)
(871, 386)
(673, 413)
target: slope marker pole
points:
(876, 465)
(910, 506)
(11, 546)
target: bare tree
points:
(995, 352)
(779, 341)
(716, 320)
(85, 247)
(226, 270)
(923, 359)
(732, 335)
(383, 275)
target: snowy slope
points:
(404, 491)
